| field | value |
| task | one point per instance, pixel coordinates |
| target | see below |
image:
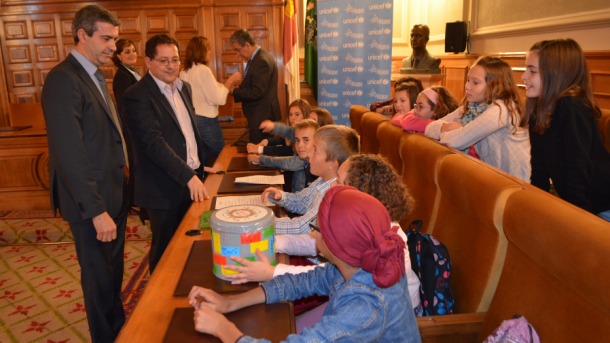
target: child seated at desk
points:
(371, 174)
(332, 145)
(298, 164)
(322, 116)
(489, 124)
(282, 145)
(387, 107)
(432, 103)
(365, 279)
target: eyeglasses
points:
(420, 107)
(166, 61)
(314, 227)
(238, 50)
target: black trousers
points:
(101, 278)
(163, 224)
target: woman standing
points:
(567, 148)
(125, 58)
(208, 94)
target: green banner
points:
(311, 46)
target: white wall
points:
(589, 25)
(504, 25)
(501, 25)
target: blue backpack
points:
(430, 262)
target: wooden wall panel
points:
(259, 21)
(38, 35)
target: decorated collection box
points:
(240, 231)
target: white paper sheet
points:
(261, 179)
(222, 202)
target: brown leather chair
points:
(555, 271)
(355, 117)
(369, 144)
(420, 158)
(389, 137)
(469, 222)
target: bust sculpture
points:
(420, 61)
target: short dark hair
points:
(411, 89)
(417, 82)
(87, 17)
(154, 41)
(121, 44)
(241, 37)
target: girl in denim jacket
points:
(365, 280)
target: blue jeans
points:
(212, 137)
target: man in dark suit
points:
(87, 158)
(258, 89)
(169, 154)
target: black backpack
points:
(430, 262)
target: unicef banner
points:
(354, 54)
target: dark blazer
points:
(85, 150)
(123, 78)
(161, 172)
(258, 91)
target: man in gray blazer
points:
(258, 89)
(87, 162)
(169, 154)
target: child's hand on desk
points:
(253, 158)
(209, 321)
(204, 297)
(258, 271)
(272, 193)
(252, 148)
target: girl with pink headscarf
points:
(365, 280)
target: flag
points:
(311, 46)
(291, 52)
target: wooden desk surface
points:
(152, 315)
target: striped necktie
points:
(247, 66)
(113, 114)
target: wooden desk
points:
(152, 315)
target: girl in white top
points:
(490, 123)
(208, 94)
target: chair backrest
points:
(469, 223)
(355, 117)
(420, 158)
(555, 272)
(389, 137)
(369, 144)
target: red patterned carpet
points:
(40, 294)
